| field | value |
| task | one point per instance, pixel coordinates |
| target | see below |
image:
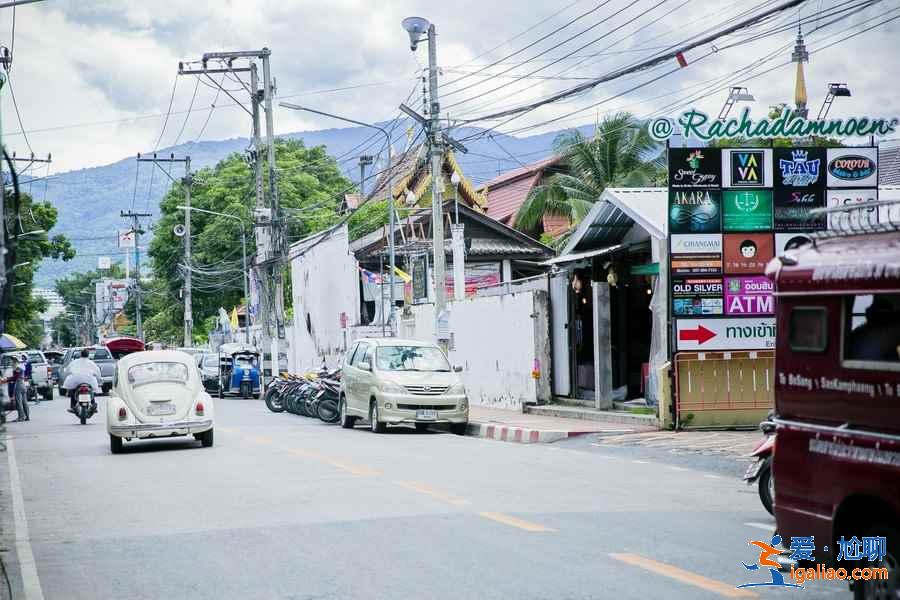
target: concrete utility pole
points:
(136, 229)
(365, 160)
(437, 178)
(268, 225)
(187, 181)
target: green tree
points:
(28, 243)
(621, 153)
(310, 189)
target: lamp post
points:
(246, 276)
(735, 95)
(390, 171)
(420, 29)
(835, 90)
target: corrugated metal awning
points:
(574, 256)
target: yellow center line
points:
(430, 491)
(514, 522)
(711, 585)
(355, 469)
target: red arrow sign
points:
(700, 335)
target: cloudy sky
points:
(93, 78)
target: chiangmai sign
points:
(697, 124)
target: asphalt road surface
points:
(288, 507)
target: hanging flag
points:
(369, 276)
(406, 277)
(682, 61)
(234, 319)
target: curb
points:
(521, 435)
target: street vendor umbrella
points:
(10, 342)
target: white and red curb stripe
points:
(521, 435)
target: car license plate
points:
(155, 410)
(753, 470)
(425, 414)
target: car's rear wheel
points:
(421, 426)
(206, 438)
(47, 393)
(106, 388)
(347, 421)
(115, 444)
(375, 423)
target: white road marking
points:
(677, 468)
(770, 527)
(30, 581)
(641, 462)
(708, 476)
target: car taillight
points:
(123, 414)
(199, 409)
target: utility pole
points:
(136, 229)
(186, 182)
(437, 178)
(269, 226)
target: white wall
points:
(496, 340)
(325, 283)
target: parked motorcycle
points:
(760, 471)
(85, 405)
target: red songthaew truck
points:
(837, 394)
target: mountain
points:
(89, 200)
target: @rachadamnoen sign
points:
(789, 124)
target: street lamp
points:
(835, 90)
(415, 27)
(735, 95)
(390, 178)
(246, 276)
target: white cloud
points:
(80, 62)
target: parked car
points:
(40, 374)
(158, 394)
(393, 381)
(100, 355)
(208, 364)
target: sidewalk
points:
(513, 426)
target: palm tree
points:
(621, 153)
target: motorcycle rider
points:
(82, 371)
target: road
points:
(287, 507)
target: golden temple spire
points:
(800, 56)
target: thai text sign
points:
(725, 334)
(749, 296)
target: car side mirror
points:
(365, 365)
(457, 369)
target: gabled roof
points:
(505, 242)
(613, 215)
(506, 193)
(411, 171)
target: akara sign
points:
(697, 124)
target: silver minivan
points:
(390, 381)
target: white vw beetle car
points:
(158, 394)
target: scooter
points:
(85, 405)
(760, 471)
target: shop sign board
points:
(793, 210)
(695, 211)
(749, 296)
(747, 253)
(799, 168)
(852, 167)
(747, 210)
(790, 241)
(696, 168)
(739, 333)
(852, 219)
(697, 296)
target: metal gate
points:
(723, 389)
(559, 309)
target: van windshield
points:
(410, 358)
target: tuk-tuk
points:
(239, 371)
